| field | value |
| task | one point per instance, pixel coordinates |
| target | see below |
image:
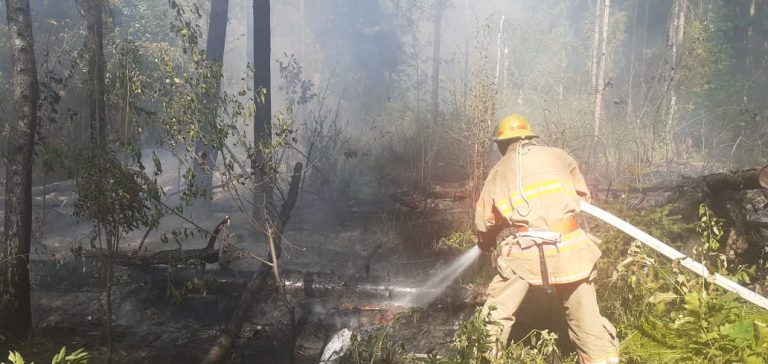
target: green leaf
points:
(761, 334)
(740, 332)
(79, 356)
(15, 357)
(662, 297)
(692, 301)
(58, 358)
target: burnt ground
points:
(359, 256)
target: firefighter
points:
(535, 191)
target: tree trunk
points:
(436, 60)
(600, 86)
(629, 113)
(676, 35)
(750, 37)
(498, 51)
(15, 312)
(205, 155)
(261, 164)
(596, 44)
(94, 43)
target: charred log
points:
(172, 257)
(726, 194)
(418, 200)
(739, 180)
(732, 196)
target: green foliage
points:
(684, 318)
(459, 239)
(658, 222)
(710, 227)
(711, 231)
(380, 348)
(116, 198)
(176, 293)
(79, 356)
(471, 344)
(180, 235)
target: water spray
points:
(443, 278)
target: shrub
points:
(79, 356)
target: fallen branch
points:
(739, 180)
(167, 257)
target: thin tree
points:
(498, 50)
(634, 29)
(94, 44)
(595, 45)
(205, 154)
(93, 11)
(674, 43)
(439, 5)
(600, 85)
(261, 165)
(749, 39)
(15, 310)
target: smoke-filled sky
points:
(372, 63)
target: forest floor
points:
(372, 243)
(362, 255)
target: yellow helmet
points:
(513, 126)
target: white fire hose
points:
(673, 254)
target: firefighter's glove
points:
(486, 243)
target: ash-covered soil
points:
(346, 265)
(173, 315)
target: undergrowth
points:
(79, 356)
(664, 313)
(471, 344)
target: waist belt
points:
(549, 235)
(564, 226)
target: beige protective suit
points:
(543, 196)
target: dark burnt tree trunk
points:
(94, 44)
(15, 312)
(261, 163)
(205, 154)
